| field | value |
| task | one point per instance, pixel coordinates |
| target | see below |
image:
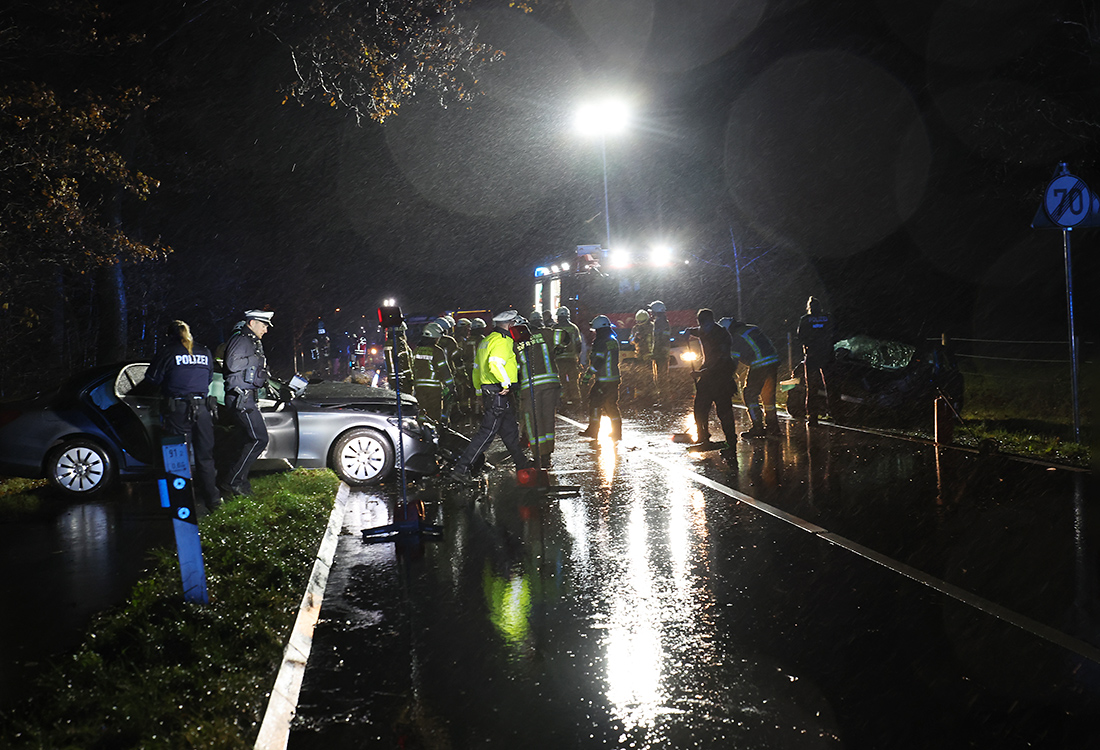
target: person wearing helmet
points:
(662, 343)
(450, 346)
(540, 389)
(469, 356)
(568, 348)
(395, 339)
(433, 381)
(756, 351)
(642, 338)
(464, 384)
(495, 374)
(816, 334)
(603, 369)
(714, 381)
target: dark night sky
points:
(885, 156)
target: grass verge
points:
(160, 673)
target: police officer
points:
(755, 350)
(245, 372)
(495, 374)
(184, 370)
(714, 381)
(603, 368)
(568, 348)
(817, 334)
(662, 343)
(433, 381)
(540, 389)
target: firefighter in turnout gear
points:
(714, 381)
(449, 345)
(404, 358)
(817, 335)
(469, 357)
(495, 374)
(642, 338)
(464, 384)
(756, 351)
(568, 348)
(433, 382)
(539, 389)
(603, 368)
(246, 371)
(662, 343)
(184, 371)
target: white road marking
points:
(1038, 629)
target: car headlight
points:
(409, 425)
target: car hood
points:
(333, 394)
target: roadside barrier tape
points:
(1038, 629)
(275, 729)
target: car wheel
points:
(80, 468)
(362, 456)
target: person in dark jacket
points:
(603, 367)
(539, 386)
(184, 370)
(753, 349)
(817, 334)
(714, 381)
(246, 371)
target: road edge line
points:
(1034, 627)
(283, 702)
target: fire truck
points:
(594, 281)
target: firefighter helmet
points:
(563, 314)
(600, 321)
(433, 330)
(727, 323)
(477, 324)
(657, 306)
(535, 318)
(462, 323)
(641, 317)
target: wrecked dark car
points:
(883, 381)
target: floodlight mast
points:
(608, 117)
(390, 318)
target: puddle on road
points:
(61, 565)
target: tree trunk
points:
(113, 331)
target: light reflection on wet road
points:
(651, 611)
(66, 563)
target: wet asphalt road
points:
(830, 589)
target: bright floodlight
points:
(620, 259)
(389, 302)
(607, 117)
(661, 256)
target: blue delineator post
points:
(177, 495)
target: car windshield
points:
(876, 353)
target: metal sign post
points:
(176, 494)
(1068, 203)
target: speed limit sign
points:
(1067, 200)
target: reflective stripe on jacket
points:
(537, 362)
(752, 347)
(603, 359)
(431, 368)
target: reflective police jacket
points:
(496, 360)
(245, 363)
(603, 358)
(751, 346)
(431, 368)
(537, 362)
(182, 373)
